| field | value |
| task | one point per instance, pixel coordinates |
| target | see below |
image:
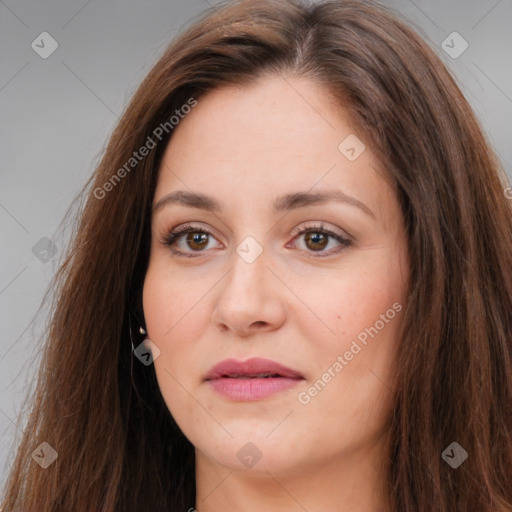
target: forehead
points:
(278, 134)
(274, 112)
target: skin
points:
(245, 147)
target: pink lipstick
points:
(254, 379)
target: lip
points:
(247, 388)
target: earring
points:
(142, 331)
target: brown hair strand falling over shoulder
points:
(119, 448)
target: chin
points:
(256, 454)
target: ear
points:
(136, 310)
(139, 310)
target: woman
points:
(290, 287)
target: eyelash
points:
(170, 238)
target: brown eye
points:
(188, 240)
(197, 240)
(316, 240)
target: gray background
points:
(57, 114)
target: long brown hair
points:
(101, 409)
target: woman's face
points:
(313, 284)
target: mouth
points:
(251, 376)
(254, 379)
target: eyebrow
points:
(281, 204)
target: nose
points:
(250, 299)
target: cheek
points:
(172, 306)
(373, 298)
(364, 307)
(175, 319)
(353, 378)
(356, 299)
